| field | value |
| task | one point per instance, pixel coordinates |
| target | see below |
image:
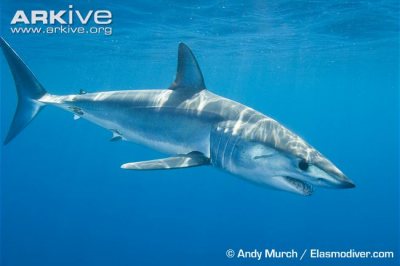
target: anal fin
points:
(191, 159)
(116, 136)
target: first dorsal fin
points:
(189, 78)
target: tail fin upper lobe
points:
(29, 90)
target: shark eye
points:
(303, 165)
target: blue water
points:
(328, 70)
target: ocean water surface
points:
(328, 70)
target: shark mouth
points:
(298, 186)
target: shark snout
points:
(339, 180)
(328, 175)
(335, 182)
(345, 182)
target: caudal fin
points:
(29, 90)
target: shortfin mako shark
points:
(194, 125)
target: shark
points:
(191, 125)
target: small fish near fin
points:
(191, 159)
(189, 78)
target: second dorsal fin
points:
(189, 78)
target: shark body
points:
(194, 125)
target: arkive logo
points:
(101, 17)
(65, 21)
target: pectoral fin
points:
(191, 159)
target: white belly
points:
(169, 132)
